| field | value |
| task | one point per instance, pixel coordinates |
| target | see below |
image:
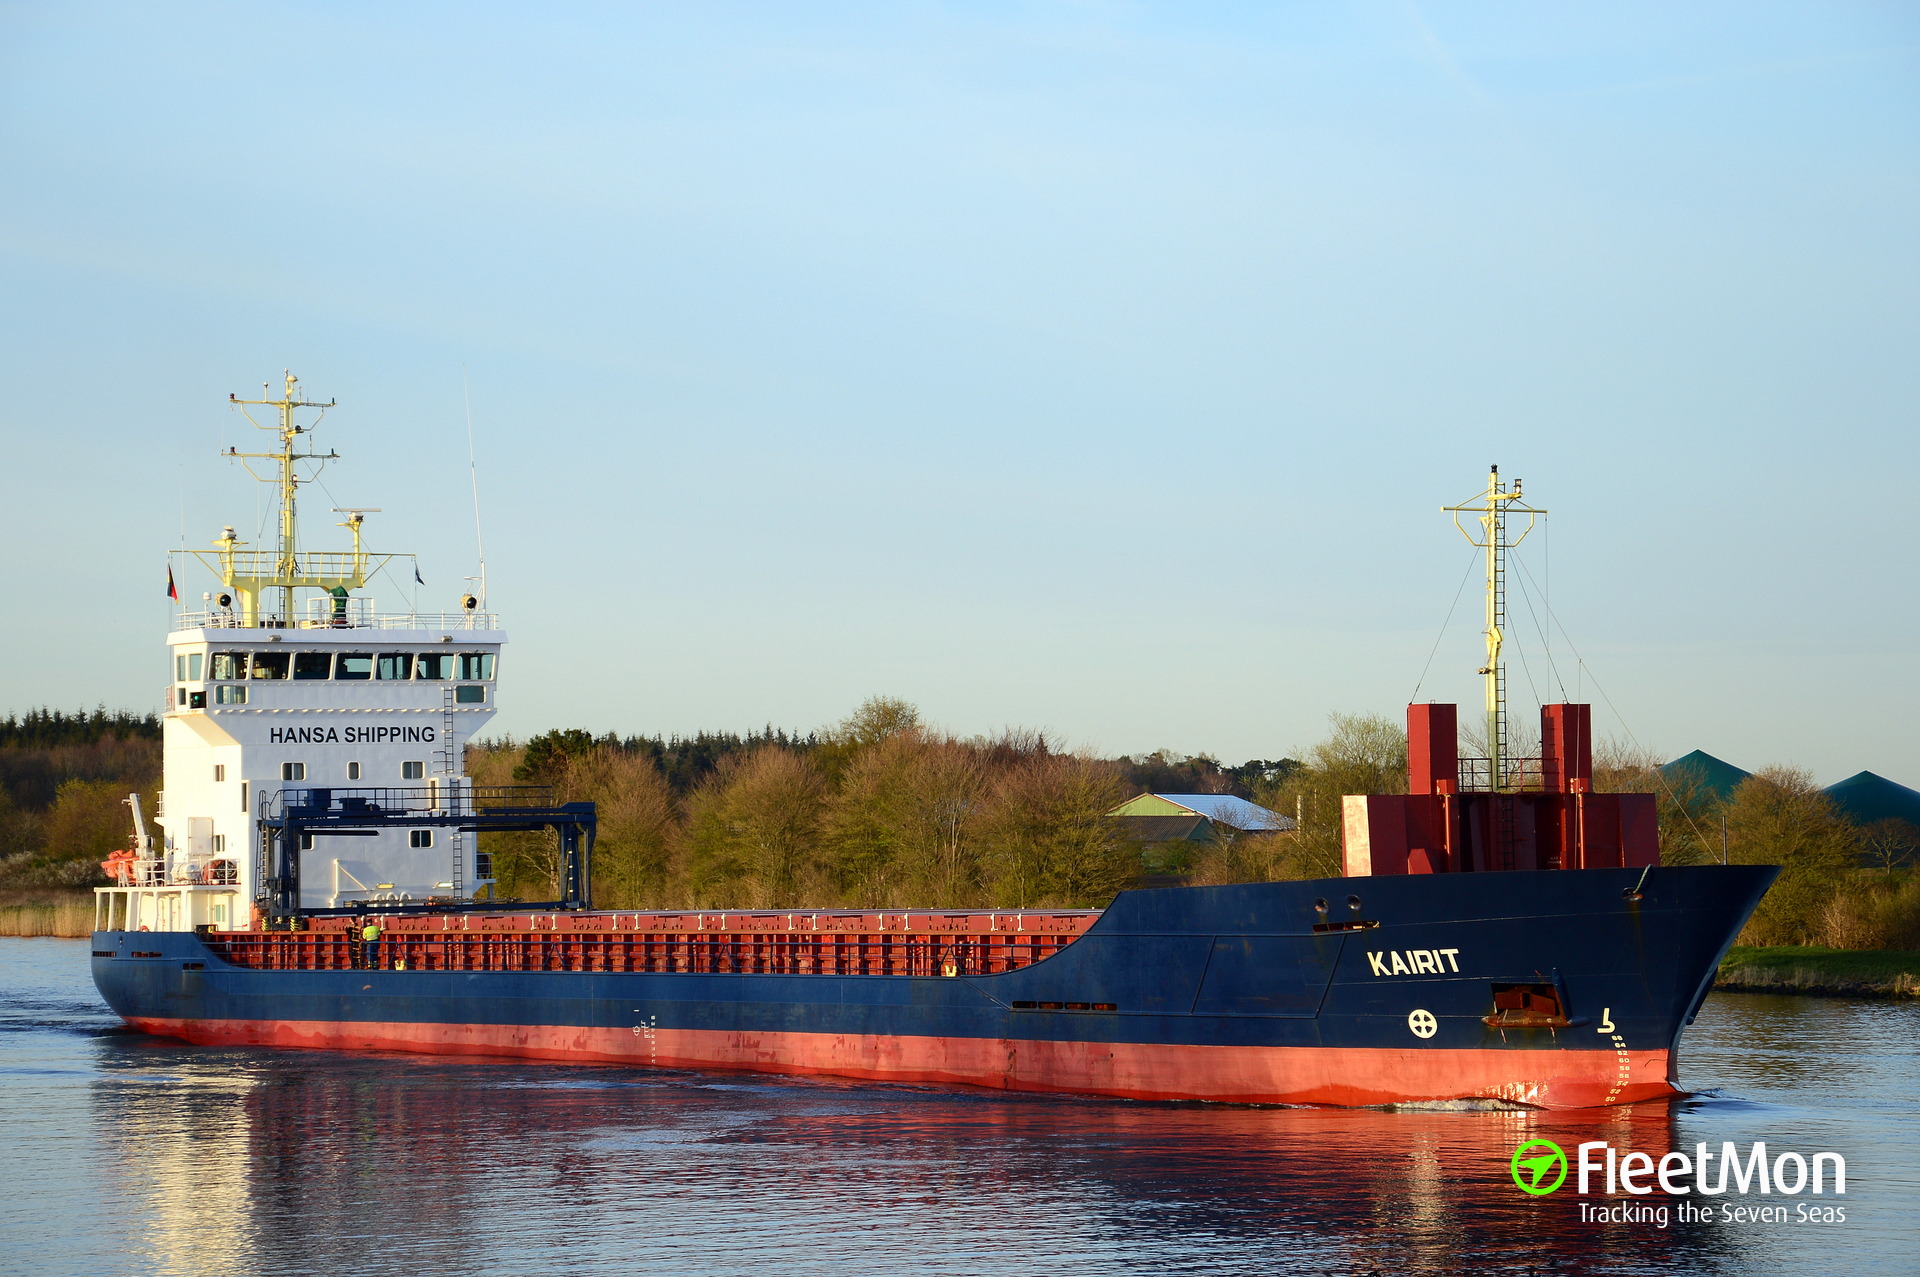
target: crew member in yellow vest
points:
(370, 945)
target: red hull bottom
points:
(1345, 1076)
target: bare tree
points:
(637, 826)
(1689, 811)
(1362, 754)
(1778, 816)
(1047, 837)
(1889, 844)
(756, 826)
(903, 821)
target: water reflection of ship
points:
(185, 1147)
(238, 1162)
(315, 1159)
(1345, 1190)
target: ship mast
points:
(286, 558)
(1493, 506)
(248, 573)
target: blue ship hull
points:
(1564, 988)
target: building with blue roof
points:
(1197, 817)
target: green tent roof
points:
(1717, 776)
(1865, 798)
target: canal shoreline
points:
(1818, 972)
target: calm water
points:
(128, 1154)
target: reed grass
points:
(48, 915)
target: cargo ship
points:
(1503, 932)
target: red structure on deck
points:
(1543, 814)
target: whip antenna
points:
(473, 474)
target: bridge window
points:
(433, 665)
(354, 665)
(420, 838)
(394, 665)
(312, 664)
(476, 665)
(271, 664)
(229, 665)
(293, 771)
(413, 771)
(235, 694)
(186, 666)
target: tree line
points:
(878, 811)
(884, 810)
(1841, 885)
(63, 781)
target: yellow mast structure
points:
(1493, 506)
(248, 573)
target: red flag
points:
(173, 591)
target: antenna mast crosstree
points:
(249, 573)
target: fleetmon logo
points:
(1532, 1164)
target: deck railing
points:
(356, 619)
(456, 795)
(1521, 773)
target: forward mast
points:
(1499, 812)
(1493, 506)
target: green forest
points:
(64, 779)
(884, 810)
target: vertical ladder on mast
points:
(1506, 834)
(450, 789)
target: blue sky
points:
(1099, 368)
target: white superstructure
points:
(321, 692)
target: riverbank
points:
(1852, 973)
(46, 913)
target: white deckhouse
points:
(279, 695)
